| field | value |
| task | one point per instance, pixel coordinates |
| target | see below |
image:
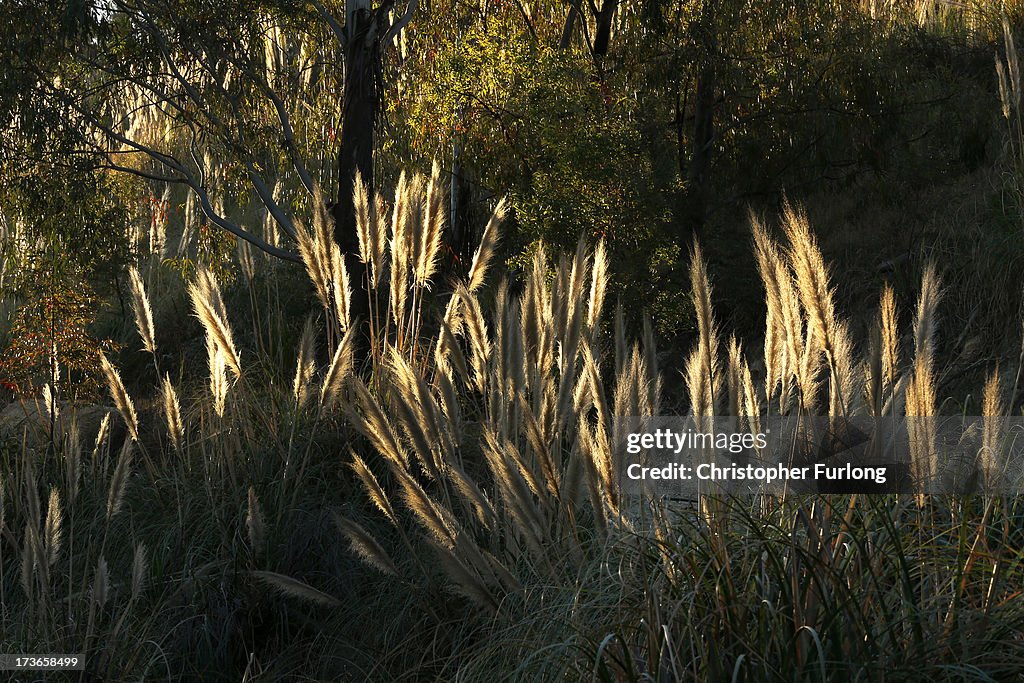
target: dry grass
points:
(483, 460)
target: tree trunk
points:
(705, 35)
(569, 27)
(456, 225)
(359, 118)
(603, 33)
(703, 142)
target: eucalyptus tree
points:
(250, 95)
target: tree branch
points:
(267, 197)
(337, 29)
(403, 21)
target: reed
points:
(172, 414)
(122, 400)
(142, 310)
(208, 305)
(488, 470)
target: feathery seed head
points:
(209, 308)
(305, 364)
(485, 252)
(172, 413)
(141, 309)
(121, 398)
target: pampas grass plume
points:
(142, 310)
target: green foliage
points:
(76, 220)
(66, 250)
(569, 149)
(51, 343)
(804, 97)
(214, 250)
